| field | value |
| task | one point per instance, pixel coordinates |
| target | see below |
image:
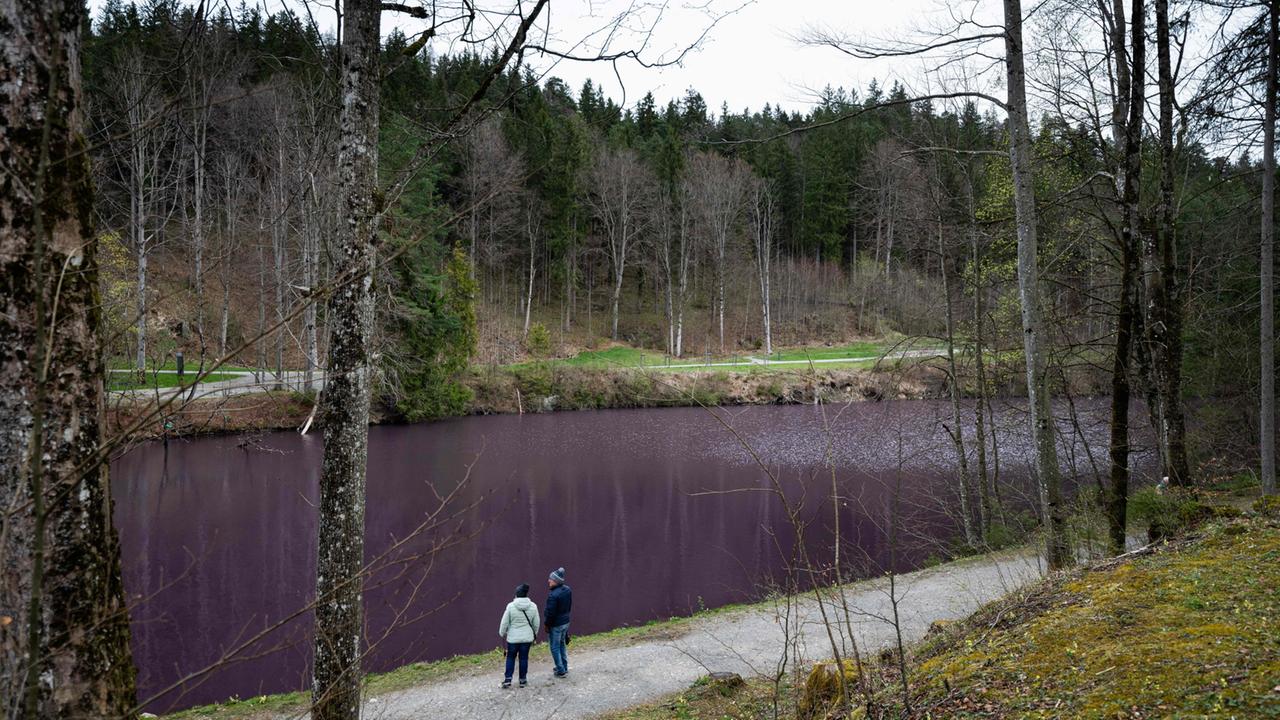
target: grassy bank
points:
(1190, 629)
(541, 387)
(546, 387)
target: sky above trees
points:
(750, 55)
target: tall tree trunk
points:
(310, 263)
(1164, 324)
(720, 296)
(68, 655)
(199, 134)
(985, 493)
(1127, 131)
(683, 287)
(957, 432)
(345, 401)
(764, 254)
(279, 238)
(141, 241)
(260, 341)
(528, 298)
(1058, 551)
(614, 300)
(1267, 338)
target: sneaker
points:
(506, 684)
(559, 674)
(524, 683)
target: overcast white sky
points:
(749, 58)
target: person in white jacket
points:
(519, 627)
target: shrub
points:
(538, 341)
(822, 687)
(1267, 506)
(533, 380)
(1166, 513)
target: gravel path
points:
(747, 642)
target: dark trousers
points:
(521, 650)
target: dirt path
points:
(748, 642)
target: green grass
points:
(619, 356)
(129, 381)
(623, 357)
(191, 365)
(858, 349)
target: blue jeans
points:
(559, 653)
(514, 650)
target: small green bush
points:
(533, 380)
(1267, 506)
(538, 341)
(1166, 513)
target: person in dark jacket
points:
(559, 602)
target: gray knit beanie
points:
(557, 576)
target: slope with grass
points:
(1184, 629)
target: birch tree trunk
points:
(345, 401)
(533, 254)
(1267, 337)
(67, 655)
(1033, 334)
(682, 288)
(310, 263)
(764, 253)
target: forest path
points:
(747, 641)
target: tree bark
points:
(764, 254)
(986, 496)
(1058, 551)
(1164, 325)
(1127, 131)
(345, 401)
(1267, 338)
(957, 433)
(68, 655)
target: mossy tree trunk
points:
(345, 400)
(1129, 106)
(1033, 330)
(64, 649)
(1164, 316)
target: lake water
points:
(653, 513)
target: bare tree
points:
(59, 554)
(148, 169)
(491, 174)
(622, 189)
(719, 188)
(206, 71)
(762, 210)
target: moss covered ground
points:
(1190, 630)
